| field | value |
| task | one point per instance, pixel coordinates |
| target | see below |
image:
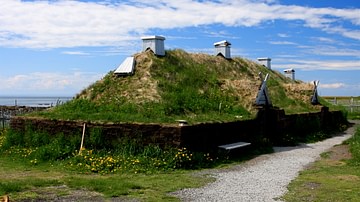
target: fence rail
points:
(4, 119)
(352, 104)
(6, 112)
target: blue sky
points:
(58, 48)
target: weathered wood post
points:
(82, 138)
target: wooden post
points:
(2, 119)
(5, 198)
(82, 138)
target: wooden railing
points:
(352, 104)
(6, 112)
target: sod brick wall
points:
(271, 126)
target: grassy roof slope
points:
(181, 85)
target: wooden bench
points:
(234, 145)
(182, 122)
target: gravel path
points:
(264, 178)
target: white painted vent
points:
(290, 73)
(127, 67)
(265, 62)
(223, 48)
(155, 44)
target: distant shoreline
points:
(34, 96)
(33, 101)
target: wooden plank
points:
(182, 122)
(234, 145)
(82, 138)
(127, 67)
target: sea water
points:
(33, 101)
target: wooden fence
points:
(352, 104)
(4, 119)
(6, 112)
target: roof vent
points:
(223, 48)
(290, 73)
(265, 62)
(155, 44)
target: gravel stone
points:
(264, 178)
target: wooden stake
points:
(5, 198)
(82, 138)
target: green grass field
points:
(37, 170)
(336, 177)
(43, 168)
(349, 104)
(21, 181)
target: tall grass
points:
(353, 115)
(192, 88)
(101, 156)
(354, 143)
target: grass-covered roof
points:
(181, 85)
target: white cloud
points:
(317, 64)
(46, 82)
(282, 35)
(323, 39)
(75, 53)
(221, 34)
(53, 24)
(282, 43)
(353, 34)
(286, 56)
(332, 85)
(334, 51)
